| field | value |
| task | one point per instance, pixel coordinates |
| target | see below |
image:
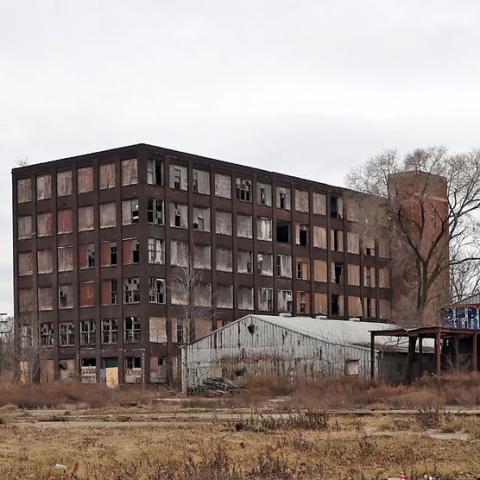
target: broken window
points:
(244, 226)
(130, 211)
(353, 243)
(320, 270)
(284, 266)
(47, 336)
(178, 293)
(203, 297)
(25, 264)
(283, 231)
(25, 300)
(85, 179)
(223, 223)
(178, 253)
(201, 219)
(132, 330)
(369, 276)
(335, 305)
(86, 255)
(64, 259)
(303, 265)
(156, 251)
(109, 253)
(178, 215)
(223, 186)
(202, 257)
(129, 172)
(24, 190)
(155, 211)
(44, 224)
(385, 309)
(86, 219)
(67, 334)
(224, 259)
(24, 226)
(109, 330)
(201, 181)
(319, 237)
(87, 294)
(44, 187)
(65, 296)
(107, 176)
(110, 292)
(283, 198)
(244, 189)
(303, 302)
(154, 171)
(264, 194)
(265, 264)
(336, 240)
(245, 298)
(369, 246)
(265, 299)
(301, 235)
(224, 296)
(64, 183)
(133, 369)
(87, 332)
(285, 301)
(45, 299)
(319, 204)
(26, 336)
(178, 177)
(369, 307)
(64, 221)
(337, 272)
(244, 262)
(45, 262)
(108, 215)
(131, 290)
(130, 251)
(301, 201)
(336, 207)
(264, 229)
(156, 289)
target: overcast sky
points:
(309, 88)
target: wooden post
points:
(420, 356)
(411, 358)
(475, 352)
(438, 352)
(372, 355)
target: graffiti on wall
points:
(462, 316)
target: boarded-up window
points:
(158, 329)
(109, 292)
(107, 176)
(44, 261)
(44, 187)
(202, 257)
(130, 211)
(383, 248)
(301, 201)
(45, 298)
(178, 177)
(353, 209)
(354, 306)
(25, 264)
(44, 224)
(25, 300)
(245, 298)
(369, 246)
(108, 215)
(224, 259)
(384, 278)
(303, 268)
(178, 253)
(223, 186)
(336, 240)
(201, 219)
(24, 190)
(201, 181)
(319, 270)
(108, 253)
(321, 303)
(385, 309)
(353, 274)
(244, 226)
(178, 215)
(319, 237)
(130, 251)
(368, 276)
(223, 223)
(65, 296)
(87, 294)
(85, 180)
(86, 255)
(264, 194)
(86, 219)
(224, 295)
(303, 302)
(319, 204)
(284, 198)
(24, 226)
(64, 221)
(65, 259)
(203, 297)
(129, 172)
(353, 242)
(64, 183)
(369, 307)
(264, 229)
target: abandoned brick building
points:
(99, 239)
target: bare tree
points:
(436, 234)
(22, 162)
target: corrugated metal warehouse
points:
(293, 347)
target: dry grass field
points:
(337, 430)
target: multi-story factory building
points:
(99, 240)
